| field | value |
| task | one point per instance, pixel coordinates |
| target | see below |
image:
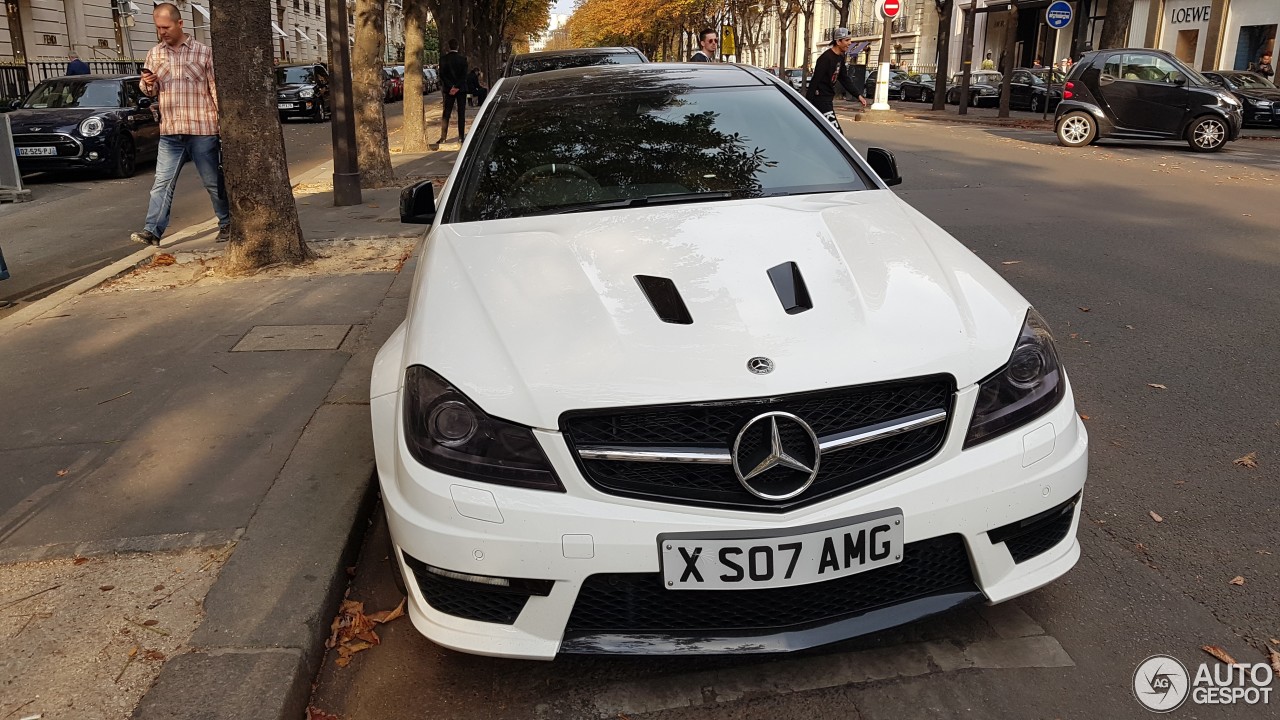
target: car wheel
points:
(926, 97)
(1035, 103)
(1077, 129)
(125, 160)
(1208, 134)
(322, 112)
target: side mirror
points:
(418, 204)
(8, 104)
(1178, 79)
(885, 165)
(144, 103)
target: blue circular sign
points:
(1058, 15)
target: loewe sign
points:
(1190, 15)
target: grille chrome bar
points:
(717, 456)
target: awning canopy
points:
(278, 32)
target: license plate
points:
(284, 106)
(37, 151)
(750, 560)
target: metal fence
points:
(871, 29)
(13, 81)
(45, 70)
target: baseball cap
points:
(841, 33)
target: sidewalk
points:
(163, 442)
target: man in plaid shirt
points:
(180, 71)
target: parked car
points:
(581, 57)
(984, 88)
(1258, 96)
(92, 122)
(918, 86)
(1034, 89)
(392, 85)
(430, 80)
(1144, 94)
(796, 77)
(895, 83)
(303, 91)
(658, 390)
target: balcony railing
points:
(871, 29)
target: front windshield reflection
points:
(76, 94)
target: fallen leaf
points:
(107, 588)
(1237, 580)
(370, 637)
(1219, 653)
(1275, 660)
(1156, 517)
(386, 616)
(62, 472)
(1075, 335)
(150, 623)
(373, 205)
(1010, 262)
(1084, 309)
(163, 259)
(1129, 326)
(314, 713)
(1083, 416)
(1248, 461)
(155, 655)
(1157, 386)
(157, 588)
(80, 560)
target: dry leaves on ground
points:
(1155, 516)
(1275, 660)
(1010, 262)
(1157, 386)
(1248, 461)
(1219, 653)
(1237, 580)
(352, 630)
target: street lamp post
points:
(346, 168)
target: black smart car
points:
(1259, 97)
(1144, 94)
(92, 122)
(580, 57)
(303, 91)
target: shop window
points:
(1188, 43)
(1254, 40)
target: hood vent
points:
(665, 299)
(789, 284)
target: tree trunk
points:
(1115, 29)
(366, 71)
(808, 37)
(1010, 62)
(414, 131)
(264, 218)
(944, 53)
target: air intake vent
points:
(789, 284)
(665, 299)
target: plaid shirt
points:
(184, 82)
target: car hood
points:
(1259, 93)
(532, 317)
(52, 119)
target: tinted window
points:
(544, 156)
(1249, 80)
(1149, 68)
(76, 93)
(525, 66)
(295, 76)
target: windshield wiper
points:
(662, 199)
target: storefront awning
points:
(278, 32)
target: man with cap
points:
(830, 70)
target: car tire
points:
(124, 162)
(322, 112)
(1077, 129)
(1207, 134)
(1035, 103)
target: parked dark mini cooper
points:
(303, 91)
(1144, 94)
(1260, 98)
(94, 122)
(1033, 88)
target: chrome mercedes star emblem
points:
(776, 456)
(760, 365)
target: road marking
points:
(1020, 643)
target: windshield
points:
(661, 145)
(295, 76)
(525, 66)
(1249, 80)
(76, 94)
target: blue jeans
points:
(173, 153)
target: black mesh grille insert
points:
(638, 602)
(468, 600)
(717, 424)
(1033, 543)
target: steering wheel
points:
(554, 169)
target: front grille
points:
(638, 602)
(716, 424)
(1037, 541)
(66, 145)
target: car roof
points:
(117, 76)
(608, 79)
(578, 51)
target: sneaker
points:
(145, 238)
(224, 233)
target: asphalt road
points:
(77, 223)
(1155, 267)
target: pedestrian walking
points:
(1265, 68)
(179, 70)
(77, 66)
(827, 72)
(708, 46)
(453, 84)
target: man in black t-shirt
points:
(830, 70)
(453, 88)
(708, 46)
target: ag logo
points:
(1161, 683)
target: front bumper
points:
(298, 107)
(582, 538)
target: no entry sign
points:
(890, 9)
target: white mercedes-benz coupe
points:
(680, 374)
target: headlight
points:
(1262, 103)
(307, 92)
(1028, 386)
(91, 127)
(447, 432)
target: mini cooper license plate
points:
(750, 559)
(27, 151)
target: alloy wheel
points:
(1076, 130)
(1208, 134)
(126, 159)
